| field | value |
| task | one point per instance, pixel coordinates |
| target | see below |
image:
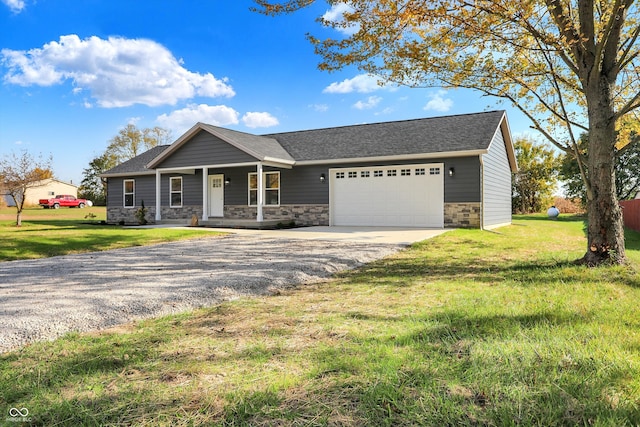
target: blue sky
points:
(73, 73)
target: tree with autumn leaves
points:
(571, 66)
(19, 173)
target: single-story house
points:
(452, 171)
(44, 189)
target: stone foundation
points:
(127, 216)
(300, 214)
(462, 215)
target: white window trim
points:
(265, 189)
(171, 205)
(124, 193)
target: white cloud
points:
(437, 102)
(363, 83)
(183, 119)
(118, 72)
(259, 120)
(16, 6)
(336, 15)
(371, 102)
(320, 108)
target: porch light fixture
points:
(227, 181)
(322, 177)
(452, 171)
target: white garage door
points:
(404, 195)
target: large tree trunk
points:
(605, 235)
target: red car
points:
(64, 200)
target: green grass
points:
(469, 328)
(51, 232)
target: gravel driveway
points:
(46, 298)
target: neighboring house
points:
(43, 190)
(452, 171)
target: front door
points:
(216, 195)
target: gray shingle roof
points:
(258, 146)
(459, 133)
(466, 132)
(137, 165)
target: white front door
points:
(216, 195)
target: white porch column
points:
(205, 193)
(259, 216)
(158, 196)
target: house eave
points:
(126, 174)
(393, 158)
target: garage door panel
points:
(407, 195)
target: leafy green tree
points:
(569, 65)
(93, 187)
(627, 170)
(537, 176)
(21, 172)
(129, 143)
(132, 141)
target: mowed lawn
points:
(469, 328)
(51, 232)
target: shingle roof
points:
(260, 147)
(466, 132)
(447, 134)
(138, 164)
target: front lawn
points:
(469, 328)
(51, 232)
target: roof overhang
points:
(394, 158)
(125, 174)
(508, 142)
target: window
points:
(434, 171)
(271, 188)
(420, 171)
(405, 172)
(129, 190)
(339, 175)
(364, 174)
(353, 174)
(175, 191)
(391, 172)
(377, 173)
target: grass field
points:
(50, 232)
(469, 328)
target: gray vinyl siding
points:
(191, 188)
(464, 185)
(145, 190)
(299, 185)
(496, 184)
(302, 186)
(205, 149)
